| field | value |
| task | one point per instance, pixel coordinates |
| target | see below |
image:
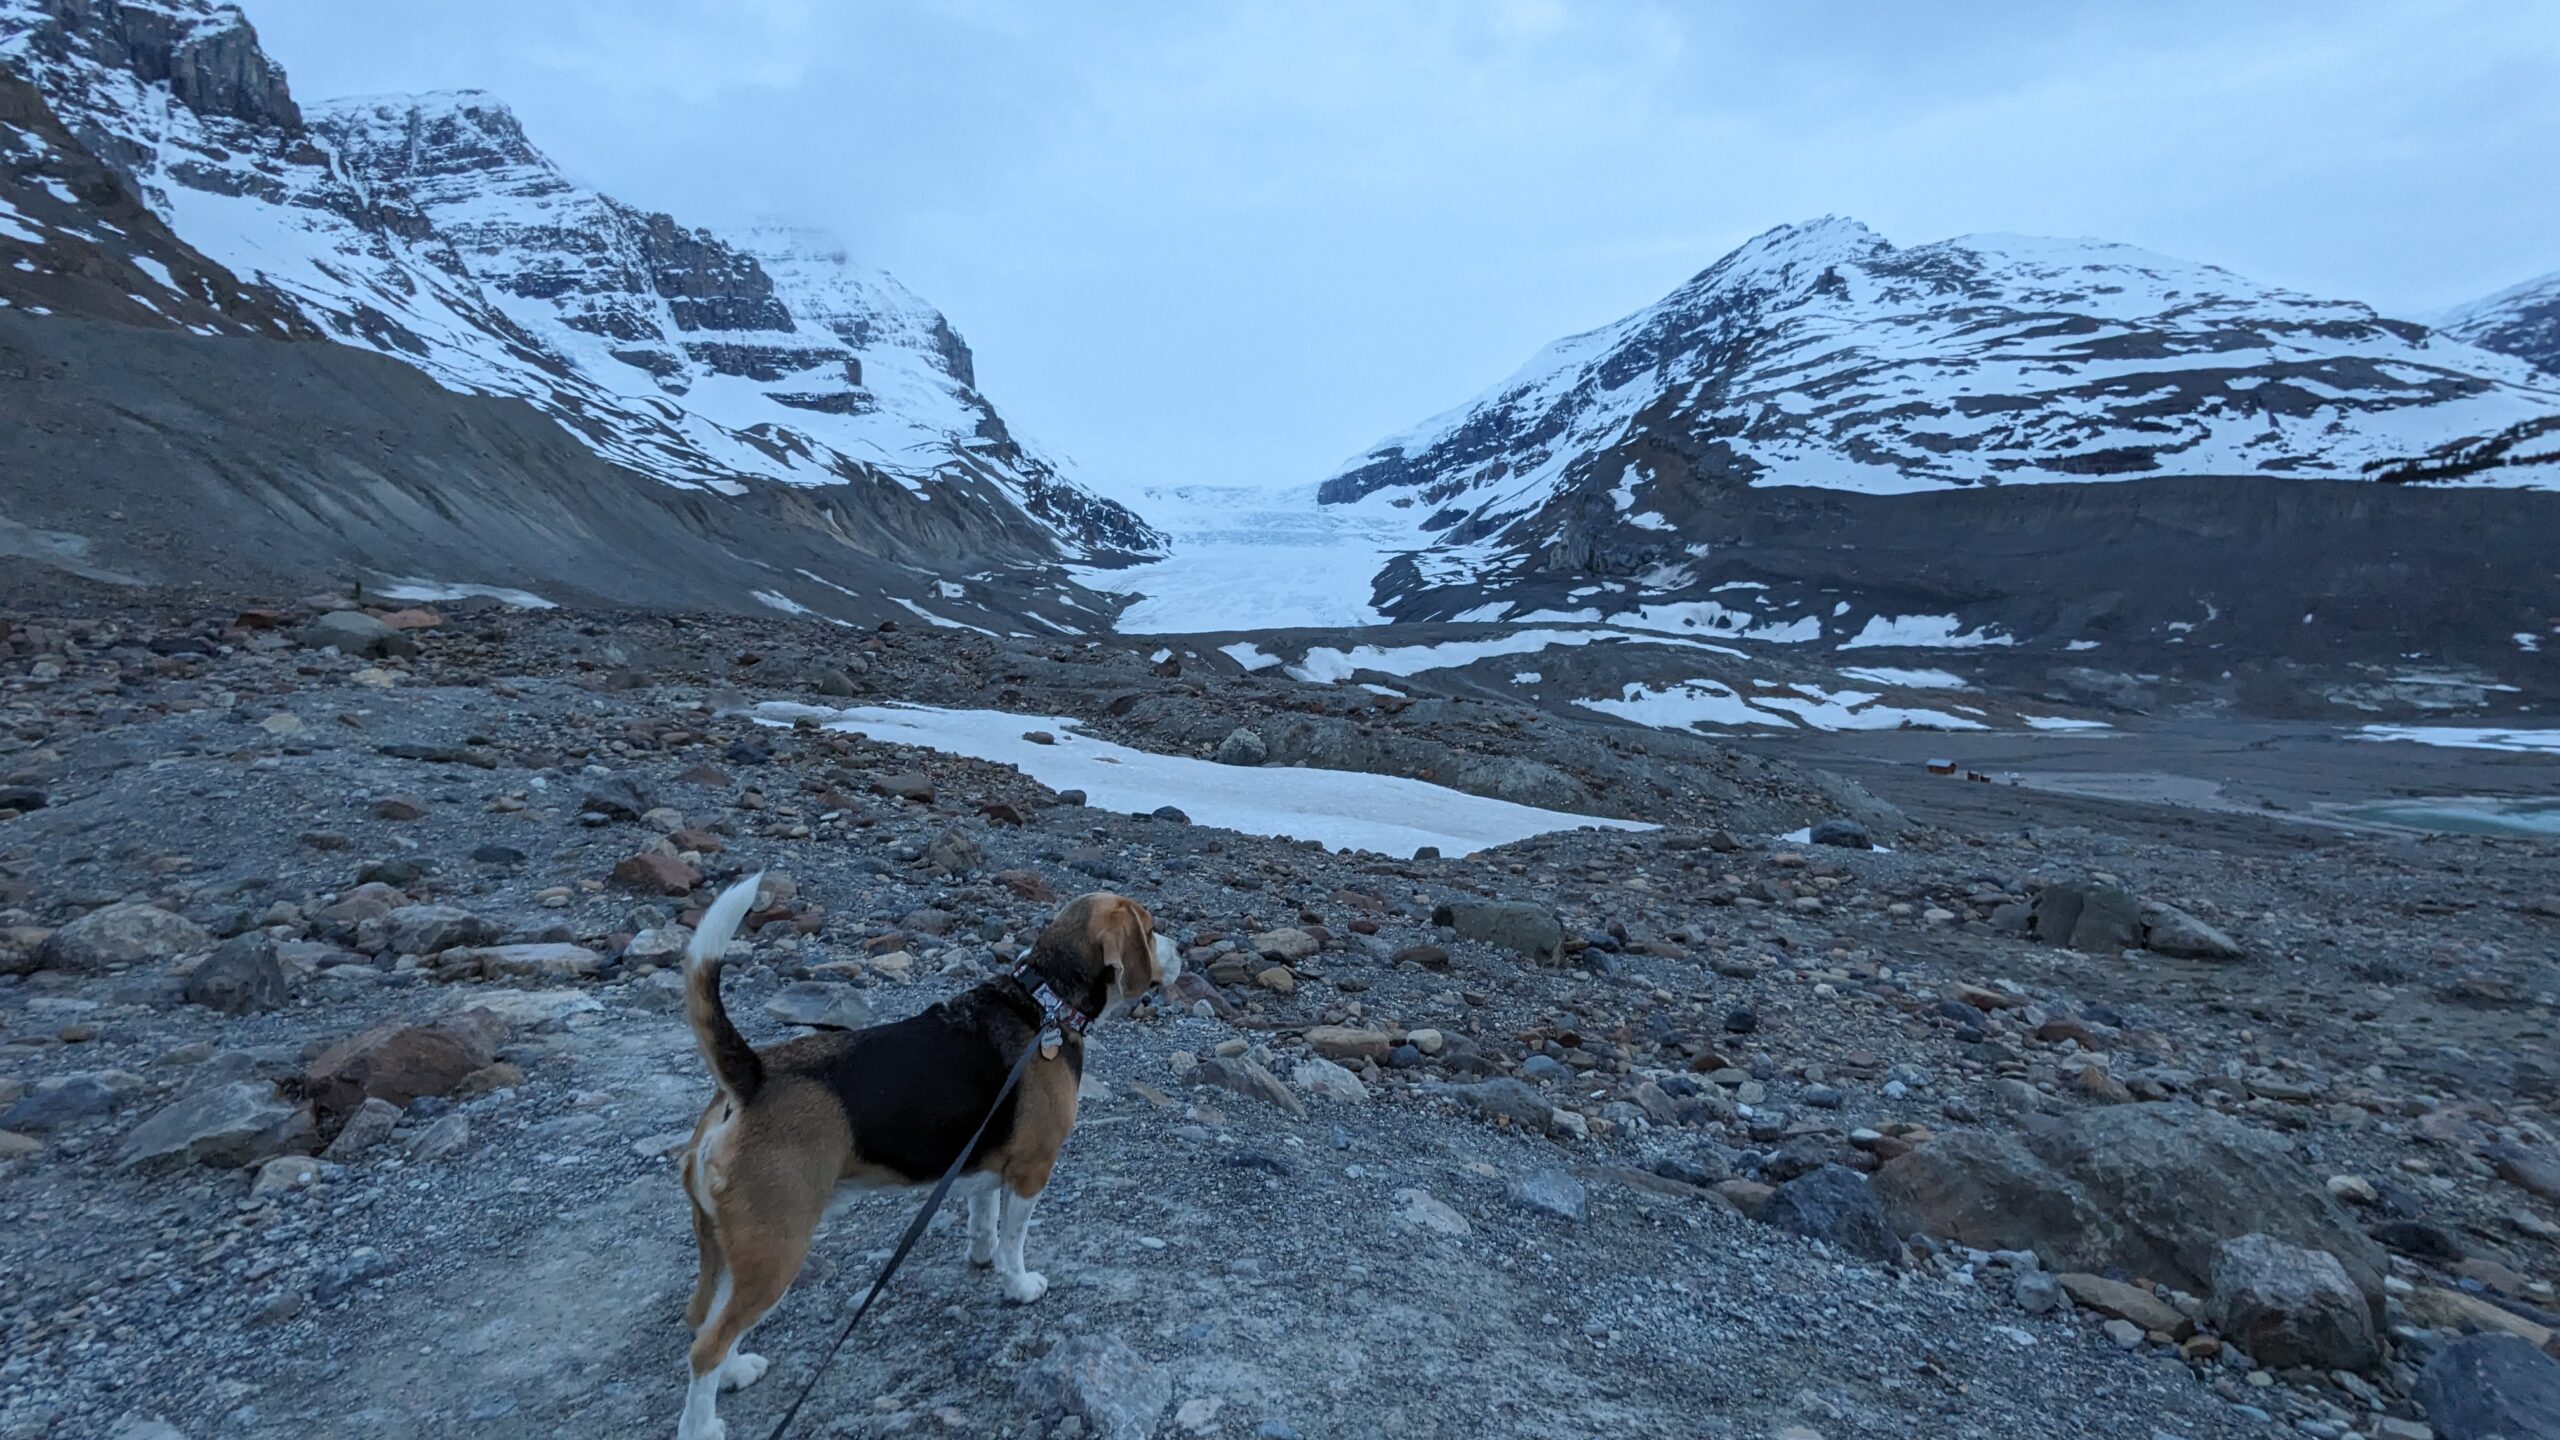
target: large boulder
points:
(2085, 915)
(120, 935)
(1514, 925)
(429, 929)
(245, 974)
(236, 1124)
(1835, 1205)
(2289, 1306)
(2491, 1387)
(2148, 1189)
(1241, 747)
(2168, 930)
(398, 1063)
(1117, 1393)
(352, 632)
(70, 1099)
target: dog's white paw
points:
(743, 1370)
(982, 1254)
(707, 1430)
(1025, 1287)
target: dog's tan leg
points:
(706, 1239)
(761, 1260)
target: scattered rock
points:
(1835, 1205)
(954, 851)
(1328, 1081)
(912, 786)
(615, 797)
(546, 960)
(243, 975)
(447, 1135)
(2168, 930)
(354, 633)
(1285, 944)
(2149, 1189)
(2125, 1302)
(651, 873)
(1241, 747)
(1554, 1192)
(1515, 1100)
(2527, 1170)
(122, 935)
(1513, 925)
(283, 1173)
(2087, 916)
(1846, 834)
(1424, 1211)
(819, 1003)
(2289, 1306)
(1098, 1380)
(69, 1099)
(432, 929)
(1343, 1042)
(1246, 1076)
(232, 1125)
(369, 1126)
(2491, 1387)
(398, 1063)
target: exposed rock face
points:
(430, 230)
(2289, 1306)
(2491, 1387)
(235, 1124)
(2150, 1189)
(2523, 321)
(1703, 465)
(123, 935)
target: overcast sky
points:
(1238, 242)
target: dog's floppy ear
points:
(1126, 935)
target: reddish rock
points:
(656, 874)
(398, 1063)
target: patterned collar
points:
(1055, 1009)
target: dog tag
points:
(1051, 1042)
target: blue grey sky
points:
(1235, 243)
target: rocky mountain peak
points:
(205, 54)
(2522, 320)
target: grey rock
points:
(2168, 930)
(2097, 919)
(352, 632)
(448, 1134)
(1241, 747)
(823, 1003)
(616, 797)
(372, 1124)
(243, 975)
(1117, 1393)
(2289, 1306)
(1834, 1204)
(1327, 1080)
(1513, 925)
(1846, 834)
(1246, 1076)
(138, 1428)
(2148, 1189)
(954, 851)
(432, 929)
(2036, 1292)
(240, 1123)
(69, 1099)
(1554, 1192)
(2530, 1171)
(122, 935)
(2491, 1387)
(1514, 1100)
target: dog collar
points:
(1058, 1015)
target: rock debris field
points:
(341, 1058)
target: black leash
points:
(915, 1232)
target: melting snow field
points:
(411, 589)
(2469, 737)
(1342, 809)
(1708, 702)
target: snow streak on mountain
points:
(429, 228)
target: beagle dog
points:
(890, 1105)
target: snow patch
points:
(2469, 737)
(1342, 809)
(1938, 632)
(413, 589)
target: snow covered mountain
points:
(1825, 440)
(430, 230)
(2522, 320)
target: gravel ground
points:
(1396, 1262)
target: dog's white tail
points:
(733, 1061)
